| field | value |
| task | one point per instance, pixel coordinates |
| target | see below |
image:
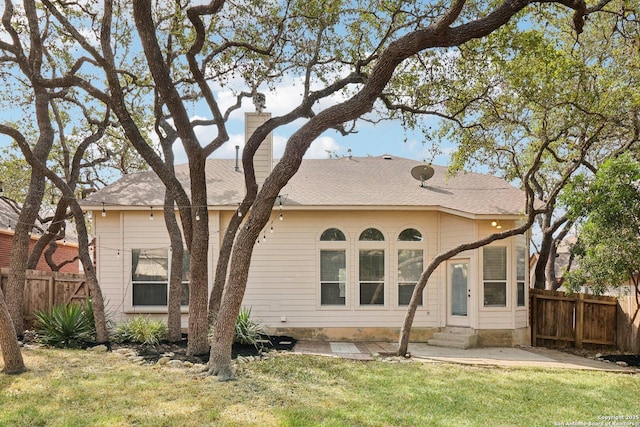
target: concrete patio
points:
(492, 356)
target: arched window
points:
(333, 268)
(371, 270)
(332, 235)
(410, 235)
(410, 264)
(372, 234)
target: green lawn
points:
(78, 388)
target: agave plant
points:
(248, 331)
(68, 326)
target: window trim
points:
(505, 281)
(383, 245)
(333, 245)
(133, 308)
(524, 280)
(408, 245)
(346, 278)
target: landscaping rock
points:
(163, 360)
(622, 363)
(199, 367)
(99, 348)
(175, 364)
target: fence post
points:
(579, 320)
(534, 314)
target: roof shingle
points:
(383, 181)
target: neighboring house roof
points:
(9, 219)
(383, 181)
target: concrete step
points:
(444, 336)
(458, 330)
(455, 338)
(449, 344)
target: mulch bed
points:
(629, 359)
(610, 354)
(153, 353)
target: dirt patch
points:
(178, 351)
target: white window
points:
(150, 270)
(410, 264)
(521, 268)
(371, 270)
(494, 274)
(333, 269)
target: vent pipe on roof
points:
(349, 152)
(237, 168)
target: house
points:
(67, 251)
(347, 241)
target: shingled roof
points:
(344, 183)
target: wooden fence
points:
(45, 289)
(628, 334)
(560, 320)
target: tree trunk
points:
(32, 65)
(198, 266)
(224, 255)
(543, 259)
(550, 270)
(52, 233)
(20, 250)
(174, 306)
(547, 253)
(13, 362)
(99, 315)
(222, 341)
(174, 315)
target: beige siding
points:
(455, 231)
(283, 288)
(109, 256)
(117, 235)
(511, 316)
(522, 317)
(293, 248)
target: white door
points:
(458, 293)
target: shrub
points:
(141, 330)
(248, 331)
(66, 326)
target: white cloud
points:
(319, 149)
(282, 99)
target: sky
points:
(370, 140)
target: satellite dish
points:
(422, 173)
